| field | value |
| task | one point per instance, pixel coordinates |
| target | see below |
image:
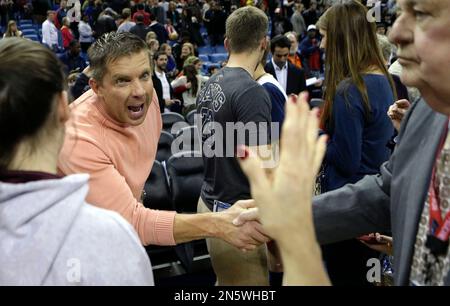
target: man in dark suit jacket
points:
(140, 29)
(159, 30)
(291, 78)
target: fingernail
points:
(242, 152)
(293, 98)
(305, 96)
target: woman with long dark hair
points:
(358, 93)
(191, 82)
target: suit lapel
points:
(289, 81)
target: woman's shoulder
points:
(373, 79)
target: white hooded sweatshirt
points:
(50, 236)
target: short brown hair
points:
(110, 47)
(126, 12)
(245, 28)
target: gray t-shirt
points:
(234, 110)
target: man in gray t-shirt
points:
(231, 98)
(234, 110)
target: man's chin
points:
(410, 79)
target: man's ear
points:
(63, 107)
(94, 85)
(226, 44)
(265, 43)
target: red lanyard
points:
(439, 228)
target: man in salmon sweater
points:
(113, 135)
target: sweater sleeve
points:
(344, 147)
(108, 189)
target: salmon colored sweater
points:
(119, 159)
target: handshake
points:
(240, 226)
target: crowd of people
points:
(362, 175)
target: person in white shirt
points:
(165, 92)
(280, 63)
(50, 32)
(85, 31)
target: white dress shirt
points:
(165, 84)
(281, 74)
(49, 34)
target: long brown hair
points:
(9, 32)
(351, 49)
(191, 75)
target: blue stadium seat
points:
(218, 57)
(29, 32)
(32, 37)
(206, 66)
(203, 57)
(205, 50)
(25, 21)
(26, 27)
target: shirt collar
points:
(159, 74)
(278, 68)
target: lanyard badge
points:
(439, 229)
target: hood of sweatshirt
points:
(35, 218)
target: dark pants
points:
(85, 46)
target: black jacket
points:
(140, 30)
(296, 81)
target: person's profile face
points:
(280, 56)
(127, 89)
(422, 35)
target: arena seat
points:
(164, 146)
(171, 118)
(316, 103)
(218, 57)
(190, 117)
(185, 170)
(187, 139)
(157, 194)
